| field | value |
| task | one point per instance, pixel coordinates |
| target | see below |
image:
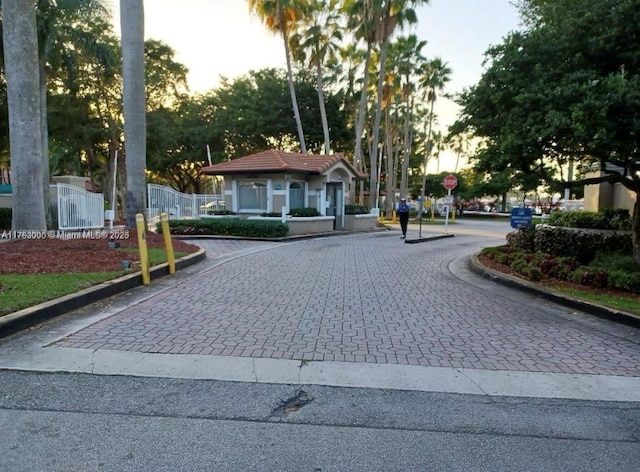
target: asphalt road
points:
(80, 422)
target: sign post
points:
(450, 182)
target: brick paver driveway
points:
(358, 298)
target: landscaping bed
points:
(53, 256)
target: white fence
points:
(78, 209)
(178, 205)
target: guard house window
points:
(296, 195)
(252, 195)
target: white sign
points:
(448, 199)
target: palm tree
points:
(409, 59)
(435, 76)
(385, 15)
(279, 16)
(318, 36)
(362, 18)
(135, 133)
(23, 96)
(459, 144)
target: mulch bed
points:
(552, 283)
(54, 256)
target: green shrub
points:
(589, 276)
(229, 227)
(492, 252)
(618, 219)
(355, 210)
(579, 244)
(303, 212)
(519, 265)
(522, 238)
(616, 260)
(606, 219)
(626, 281)
(532, 273)
(616, 270)
(523, 267)
(565, 268)
(5, 218)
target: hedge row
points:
(579, 244)
(5, 218)
(355, 210)
(618, 219)
(295, 212)
(229, 227)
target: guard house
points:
(273, 180)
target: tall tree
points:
(135, 133)
(23, 94)
(64, 27)
(361, 19)
(318, 39)
(389, 13)
(280, 16)
(409, 61)
(253, 112)
(566, 88)
(436, 74)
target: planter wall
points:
(303, 225)
(360, 222)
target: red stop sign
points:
(450, 182)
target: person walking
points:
(403, 214)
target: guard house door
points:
(334, 203)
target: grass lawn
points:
(21, 291)
(621, 303)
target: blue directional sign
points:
(521, 218)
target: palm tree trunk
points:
(357, 157)
(135, 124)
(44, 130)
(407, 145)
(294, 99)
(23, 96)
(426, 158)
(635, 227)
(373, 175)
(323, 111)
(391, 175)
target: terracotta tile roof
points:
(274, 161)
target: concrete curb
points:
(593, 308)
(29, 317)
(427, 238)
(300, 237)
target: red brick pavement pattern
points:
(360, 298)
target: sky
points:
(220, 37)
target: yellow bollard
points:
(453, 213)
(168, 243)
(142, 248)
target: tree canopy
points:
(567, 88)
